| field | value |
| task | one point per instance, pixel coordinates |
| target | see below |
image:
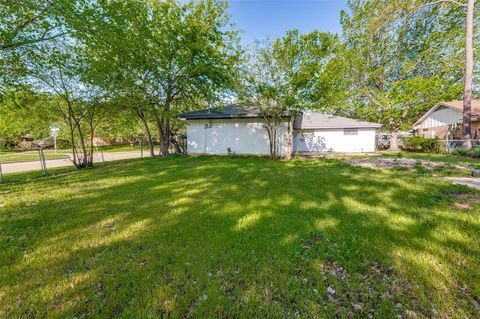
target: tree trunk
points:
(165, 137)
(82, 146)
(159, 129)
(467, 95)
(288, 155)
(149, 140)
(178, 147)
(141, 115)
(72, 140)
(90, 158)
(271, 139)
(394, 141)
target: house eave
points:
(417, 124)
(338, 127)
(222, 117)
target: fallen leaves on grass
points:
(464, 201)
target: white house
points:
(444, 121)
(234, 129)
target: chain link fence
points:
(449, 146)
(39, 158)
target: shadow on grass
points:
(236, 237)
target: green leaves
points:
(402, 61)
(289, 71)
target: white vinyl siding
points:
(334, 140)
(241, 136)
(443, 116)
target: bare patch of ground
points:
(463, 200)
(379, 162)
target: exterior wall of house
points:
(443, 116)
(449, 132)
(241, 136)
(442, 132)
(476, 130)
(335, 140)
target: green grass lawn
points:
(127, 148)
(6, 157)
(237, 238)
(9, 157)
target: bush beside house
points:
(473, 153)
(420, 144)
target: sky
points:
(260, 18)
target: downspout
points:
(205, 139)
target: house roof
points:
(305, 121)
(225, 112)
(456, 105)
(320, 120)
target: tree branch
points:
(443, 1)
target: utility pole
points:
(468, 83)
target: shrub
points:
(420, 144)
(474, 153)
(460, 151)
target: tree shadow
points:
(236, 237)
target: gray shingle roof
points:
(320, 120)
(305, 121)
(225, 112)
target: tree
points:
(165, 51)
(396, 9)
(285, 76)
(24, 26)
(469, 66)
(25, 22)
(25, 114)
(400, 63)
(468, 81)
(58, 69)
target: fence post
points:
(141, 147)
(44, 164)
(103, 159)
(41, 162)
(1, 174)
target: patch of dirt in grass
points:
(309, 243)
(366, 293)
(333, 269)
(379, 162)
(464, 200)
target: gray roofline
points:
(373, 125)
(219, 117)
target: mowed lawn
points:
(27, 156)
(238, 238)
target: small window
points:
(350, 131)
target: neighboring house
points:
(444, 121)
(234, 129)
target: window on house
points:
(350, 131)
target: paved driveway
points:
(97, 158)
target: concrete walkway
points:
(97, 158)
(468, 181)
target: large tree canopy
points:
(167, 52)
(402, 62)
(155, 59)
(151, 59)
(287, 75)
